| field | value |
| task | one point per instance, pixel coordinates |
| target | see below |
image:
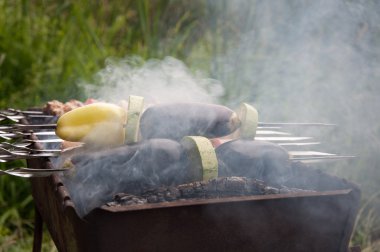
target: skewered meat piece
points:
(58, 108)
(176, 120)
(53, 108)
(72, 104)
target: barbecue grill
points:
(308, 221)
(319, 220)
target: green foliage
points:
(47, 46)
(16, 210)
(367, 225)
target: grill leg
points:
(37, 239)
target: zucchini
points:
(135, 108)
(202, 161)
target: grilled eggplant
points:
(176, 120)
(254, 159)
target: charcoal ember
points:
(285, 190)
(193, 190)
(254, 159)
(125, 199)
(162, 194)
(214, 188)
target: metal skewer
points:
(21, 155)
(298, 144)
(23, 147)
(15, 115)
(318, 159)
(8, 135)
(20, 149)
(18, 126)
(29, 173)
(13, 111)
(266, 124)
(272, 132)
(282, 139)
(18, 134)
(309, 154)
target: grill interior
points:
(307, 221)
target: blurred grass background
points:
(46, 47)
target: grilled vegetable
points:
(98, 123)
(249, 121)
(200, 153)
(255, 159)
(176, 120)
(128, 168)
(135, 107)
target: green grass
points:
(47, 47)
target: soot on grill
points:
(154, 163)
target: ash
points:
(214, 188)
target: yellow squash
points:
(97, 123)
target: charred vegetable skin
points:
(176, 120)
(150, 162)
(130, 168)
(254, 159)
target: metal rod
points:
(24, 134)
(299, 144)
(55, 140)
(265, 124)
(28, 172)
(282, 139)
(13, 127)
(23, 147)
(309, 154)
(320, 159)
(272, 132)
(19, 155)
(26, 112)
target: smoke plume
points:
(309, 61)
(158, 81)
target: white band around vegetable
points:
(135, 109)
(201, 154)
(249, 118)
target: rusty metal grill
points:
(311, 221)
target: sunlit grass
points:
(47, 47)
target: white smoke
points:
(310, 61)
(158, 81)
